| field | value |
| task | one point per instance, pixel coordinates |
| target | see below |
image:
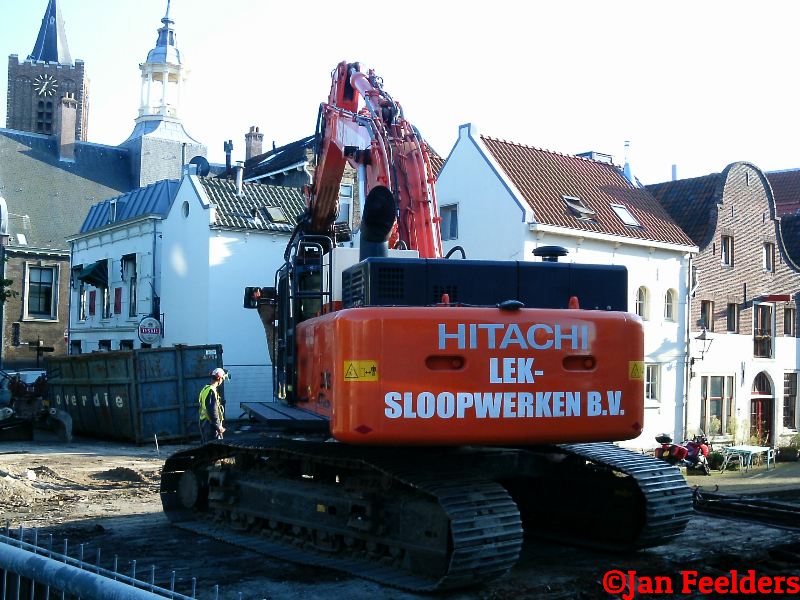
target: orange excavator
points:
(428, 411)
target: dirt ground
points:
(105, 495)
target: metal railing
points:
(30, 571)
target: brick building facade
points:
(37, 84)
(34, 89)
(37, 315)
(744, 292)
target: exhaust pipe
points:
(380, 210)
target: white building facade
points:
(186, 265)
(501, 201)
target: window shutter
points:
(92, 300)
(118, 301)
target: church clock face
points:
(45, 85)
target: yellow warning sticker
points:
(360, 370)
(636, 369)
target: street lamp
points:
(705, 340)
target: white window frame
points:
(446, 213)
(26, 315)
(652, 382)
(81, 303)
(726, 250)
(642, 305)
(773, 315)
(79, 286)
(670, 305)
(625, 215)
(578, 208)
(769, 257)
(793, 426)
(728, 400)
(132, 279)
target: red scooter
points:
(692, 455)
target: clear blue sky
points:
(698, 84)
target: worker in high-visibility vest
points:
(212, 411)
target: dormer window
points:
(578, 208)
(275, 214)
(624, 215)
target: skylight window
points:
(578, 208)
(23, 241)
(275, 214)
(625, 216)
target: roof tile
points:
(544, 177)
(786, 190)
(248, 211)
(691, 202)
(56, 195)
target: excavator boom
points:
(385, 149)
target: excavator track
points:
(473, 525)
(420, 519)
(646, 502)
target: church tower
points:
(159, 144)
(37, 84)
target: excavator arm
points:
(392, 161)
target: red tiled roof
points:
(437, 162)
(786, 190)
(543, 177)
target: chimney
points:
(628, 171)
(674, 172)
(228, 150)
(253, 142)
(66, 121)
(239, 176)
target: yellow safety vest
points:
(204, 411)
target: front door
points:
(761, 405)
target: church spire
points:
(51, 45)
(166, 50)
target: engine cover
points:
(461, 375)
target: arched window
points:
(761, 410)
(761, 385)
(642, 302)
(670, 308)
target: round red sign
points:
(149, 330)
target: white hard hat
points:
(219, 373)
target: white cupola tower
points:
(159, 144)
(164, 76)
